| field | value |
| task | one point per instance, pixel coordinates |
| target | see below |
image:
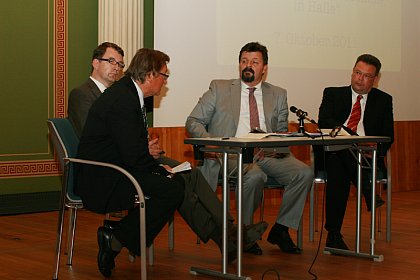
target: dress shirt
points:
(360, 128)
(244, 126)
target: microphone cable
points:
(323, 202)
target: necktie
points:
(355, 115)
(254, 120)
(146, 125)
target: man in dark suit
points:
(107, 66)
(116, 132)
(374, 117)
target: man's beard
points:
(248, 78)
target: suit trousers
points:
(201, 208)
(294, 175)
(297, 179)
(165, 196)
(341, 172)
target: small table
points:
(244, 149)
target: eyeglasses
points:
(112, 61)
(365, 76)
(165, 76)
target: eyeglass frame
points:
(165, 76)
(365, 76)
(112, 61)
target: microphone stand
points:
(302, 128)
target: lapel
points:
(235, 99)
(347, 102)
(268, 104)
(370, 108)
(93, 88)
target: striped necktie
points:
(254, 120)
(355, 115)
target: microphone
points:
(301, 114)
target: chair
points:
(65, 143)
(382, 179)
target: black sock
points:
(280, 228)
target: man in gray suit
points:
(224, 111)
(107, 66)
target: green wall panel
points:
(25, 86)
(82, 39)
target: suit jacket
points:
(115, 133)
(378, 117)
(80, 100)
(217, 115)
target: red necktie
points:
(355, 115)
(254, 120)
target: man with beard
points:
(232, 108)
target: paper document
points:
(182, 167)
(280, 134)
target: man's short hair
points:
(255, 47)
(146, 61)
(371, 60)
(100, 50)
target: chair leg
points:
(59, 238)
(378, 211)
(262, 206)
(151, 254)
(311, 213)
(300, 235)
(171, 234)
(71, 234)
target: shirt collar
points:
(139, 92)
(100, 85)
(257, 87)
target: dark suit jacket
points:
(115, 133)
(80, 100)
(378, 117)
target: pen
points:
(225, 138)
(161, 152)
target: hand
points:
(154, 149)
(169, 169)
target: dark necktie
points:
(254, 120)
(143, 112)
(355, 115)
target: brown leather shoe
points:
(254, 250)
(251, 233)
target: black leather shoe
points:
(283, 240)
(106, 255)
(255, 250)
(378, 202)
(335, 240)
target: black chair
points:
(65, 143)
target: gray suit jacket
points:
(217, 115)
(80, 101)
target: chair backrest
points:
(65, 143)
